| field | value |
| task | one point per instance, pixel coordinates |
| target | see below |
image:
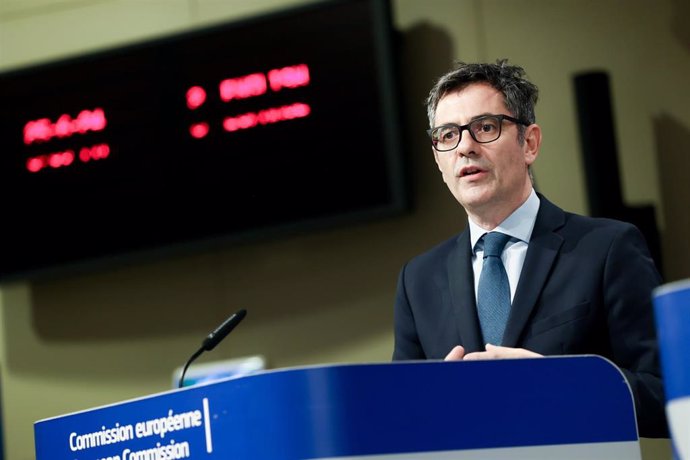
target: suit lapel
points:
(461, 282)
(541, 254)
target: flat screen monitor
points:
(276, 123)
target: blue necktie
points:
(493, 296)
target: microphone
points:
(214, 338)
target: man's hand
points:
(496, 352)
(456, 354)
(492, 352)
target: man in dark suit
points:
(567, 284)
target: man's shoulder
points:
(569, 221)
(594, 236)
(579, 220)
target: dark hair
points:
(520, 95)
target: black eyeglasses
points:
(483, 130)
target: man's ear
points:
(532, 143)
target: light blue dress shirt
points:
(519, 226)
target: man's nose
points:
(467, 145)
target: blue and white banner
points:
(672, 314)
(564, 407)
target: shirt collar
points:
(518, 225)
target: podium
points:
(544, 408)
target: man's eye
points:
(487, 127)
(447, 135)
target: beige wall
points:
(71, 343)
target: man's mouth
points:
(469, 171)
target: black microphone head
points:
(223, 330)
(214, 339)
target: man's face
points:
(489, 180)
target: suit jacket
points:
(585, 288)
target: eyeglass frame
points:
(462, 128)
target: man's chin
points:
(474, 199)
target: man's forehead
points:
(471, 101)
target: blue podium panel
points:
(560, 407)
(672, 314)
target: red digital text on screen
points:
(252, 85)
(257, 84)
(267, 116)
(199, 130)
(242, 87)
(289, 77)
(196, 96)
(248, 86)
(64, 158)
(43, 129)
